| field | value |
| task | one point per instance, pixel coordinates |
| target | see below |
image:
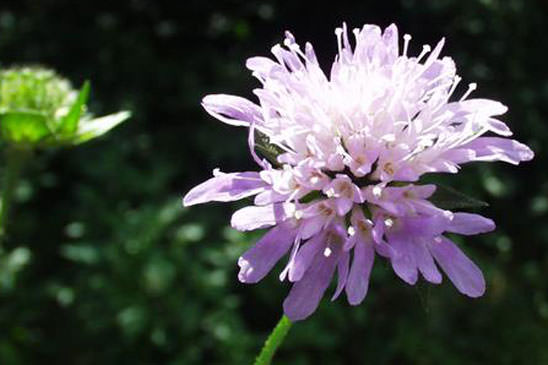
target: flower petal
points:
(233, 110)
(358, 279)
(499, 149)
(403, 259)
(390, 39)
(470, 224)
(425, 262)
(313, 225)
(343, 206)
(305, 295)
(464, 274)
(342, 274)
(498, 127)
(256, 262)
(225, 187)
(305, 255)
(256, 217)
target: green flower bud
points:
(39, 108)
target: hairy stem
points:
(274, 341)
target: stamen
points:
(406, 39)
(338, 33)
(327, 252)
(297, 49)
(293, 194)
(471, 87)
(425, 49)
(456, 81)
(290, 209)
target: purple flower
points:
(350, 149)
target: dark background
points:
(110, 269)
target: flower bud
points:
(40, 109)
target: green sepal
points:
(449, 198)
(90, 129)
(23, 127)
(69, 123)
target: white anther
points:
(406, 39)
(327, 252)
(351, 231)
(377, 191)
(338, 33)
(425, 49)
(471, 87)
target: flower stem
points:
(13, 163)
(274, 341)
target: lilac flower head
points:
(341, 157)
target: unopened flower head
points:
(35, 89)
(39, 108)
(338, 179)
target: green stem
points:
(13, 163)
(274, 341)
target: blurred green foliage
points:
(103, 266)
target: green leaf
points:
(69, 123)
(449, 198)
(23, 127)
(94, 128)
